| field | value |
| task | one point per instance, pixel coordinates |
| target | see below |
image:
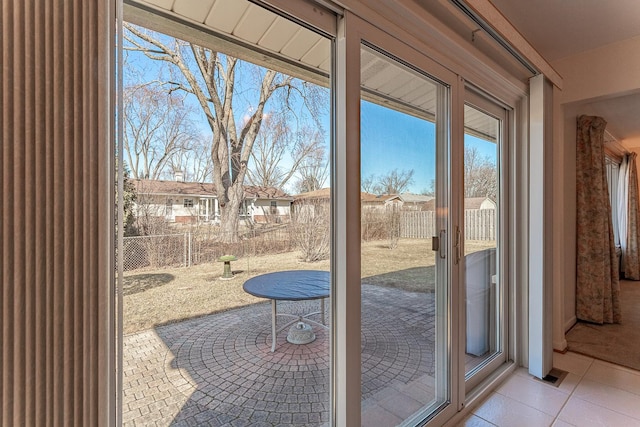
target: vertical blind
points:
(56, 212)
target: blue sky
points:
(390, 140)
(393, 140)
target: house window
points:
(274, 208)
(188, 203)
(169, 207)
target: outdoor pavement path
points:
(218, 370)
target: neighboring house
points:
(417, 202)
(414, 202)
(197, 202)
(479, 203)
(368, 200)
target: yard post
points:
(184, 251)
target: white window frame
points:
(349, 32)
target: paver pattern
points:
(218, 370)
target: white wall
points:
(607, 72)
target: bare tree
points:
(431, 190)
(279, 153)
(194, 160)
(368, 184)
(480, 175)
(394, 182)
(313, 171)
(210, 76)
(157, 125)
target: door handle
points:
(438, 244)
(458, 245)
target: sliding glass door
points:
(484, 285)
(405, 291)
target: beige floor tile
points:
(475, 421)
(572, 362)
(569, 383)
(614, 376)
(560, 423)
(503, 411)
(534, 393)
(613, 398)
(586, 414)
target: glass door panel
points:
(227, 299)
(403, 287)
(482, 283)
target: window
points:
(405, 298)
(613, 171)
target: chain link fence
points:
(205, 245)
(200, 246)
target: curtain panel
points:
(631, 255)
(597, 283)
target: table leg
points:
(273, 325)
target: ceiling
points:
(562, 28)
(278, 43)
(556, 28)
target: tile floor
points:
(594, 393)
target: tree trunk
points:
(229, 215)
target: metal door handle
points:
(458, 245)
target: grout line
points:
(557, 417)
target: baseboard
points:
(560, 346)
(569, 324)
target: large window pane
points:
(226, 146)
(404, 360)
(481, 198)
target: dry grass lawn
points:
(155, 297)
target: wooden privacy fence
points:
(418, 225)
(479, 224)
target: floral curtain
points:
(632, 254)
(597, 285)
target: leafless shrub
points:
(381, 224)
(310, 229)
(373, 225)
(392, 224)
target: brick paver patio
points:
(218, 370)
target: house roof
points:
(202, 189)
(373, 198)
(414, 198)
(469, 203)
(252, 191)
(476, 202)
(325, 193)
